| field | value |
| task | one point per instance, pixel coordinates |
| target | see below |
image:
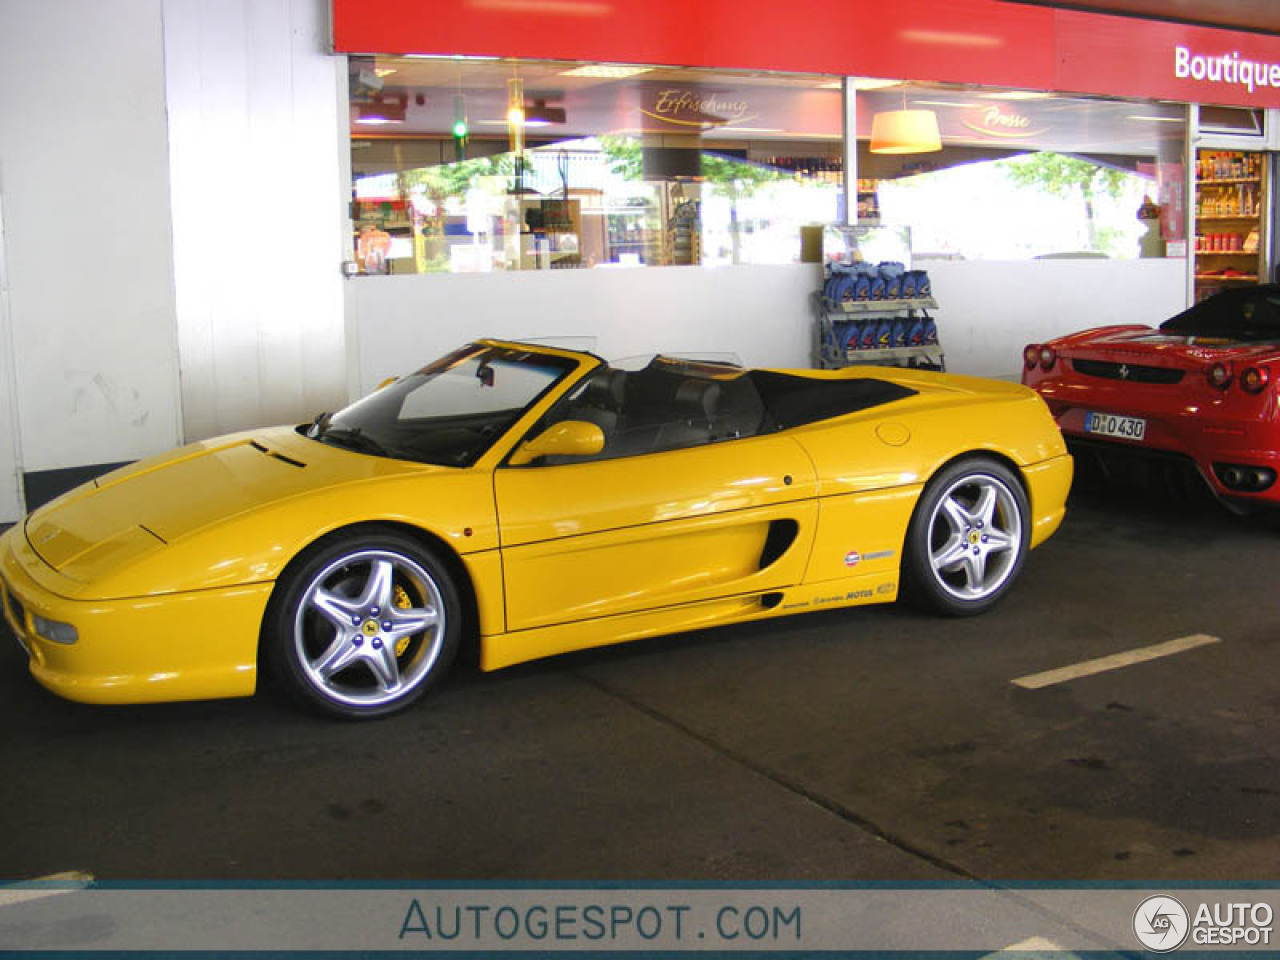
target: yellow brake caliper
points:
(402, 601)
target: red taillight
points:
(1031, 355)
(1255, 379)
(1048, 357)
(1219, 375)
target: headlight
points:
(54, 631)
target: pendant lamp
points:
(905, 131)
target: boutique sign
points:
(1225, 68)
(1165, 61)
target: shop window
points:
(1234, 121)
(464, 166)
(1025, 175)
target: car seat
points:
(696, 407)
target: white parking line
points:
(67, 882)
(1033, 945)
(1047, 679)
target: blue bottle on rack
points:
(901, 326)
(867, 335)
(846, 334)
(884, 333)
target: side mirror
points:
(568, 438)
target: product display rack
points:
(1230, 203)
(831, 355)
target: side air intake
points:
(782, 534)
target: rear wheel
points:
(363, 624)
(968, 538)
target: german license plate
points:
(1111, 425)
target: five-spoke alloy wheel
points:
(364, 623)
(968, 537)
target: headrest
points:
(699, 398)
(606, 388)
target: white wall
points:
(988, 311)
(11, 493)
(84, 170)
(760, 313)
(256, 144)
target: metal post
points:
(849, 97)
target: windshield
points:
(1248, 314)
(450, 412)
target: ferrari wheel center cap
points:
(370, 628)
(974, 538)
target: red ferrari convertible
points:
(1198, 393)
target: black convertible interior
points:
(1248, 314)
(672, 404)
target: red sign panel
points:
(966, 41)
(1165, 61)
(910, 39)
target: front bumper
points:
(186, 646)
(1048, 484)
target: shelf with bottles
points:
(824, 169)
(892, 338)
(894, 330)
(868, 200)
(1227, 277)
(1228, 201)
(1229, 184)
(383, 211)
(1229, 243)
(1228, 166)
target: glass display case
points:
(1230, 207)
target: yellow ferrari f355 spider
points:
(532, 501)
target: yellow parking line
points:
(1089, 667)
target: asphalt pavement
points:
(872, 744)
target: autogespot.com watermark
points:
(478, 924)
(1162, 924)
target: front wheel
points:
(968, 538)
(363, 624)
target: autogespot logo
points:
(1161, 923)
